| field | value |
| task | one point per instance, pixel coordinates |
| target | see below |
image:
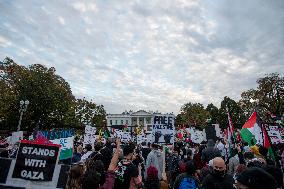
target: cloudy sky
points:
(148, 54)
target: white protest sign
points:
(16, 137)
(218, 130)
(90, 135)
(275, 134)
(149, 138)
(196, 135)
(163, 129)
(141, 138)
(126, 137)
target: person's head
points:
(88, 147)
(255, 163)
(128, 152)
(219, 167)
(75, 177)
(91, 180)
(98, 146)
(190, 168)
(155, 146)
(79, 149)
(188, 153)
(276, 173)
(210, 143)
(255, 178)
(240, 168)
(248, 156)
(152, 173)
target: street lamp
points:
(23, 108)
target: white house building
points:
(132, 119)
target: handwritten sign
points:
(163, 129)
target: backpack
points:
(187, 183)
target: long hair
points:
(75, 176)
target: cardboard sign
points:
(64, 138)
(163, 129)
(36, 161)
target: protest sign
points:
(163, 129)
(90, 135)
(36, 161)
(64, 137)
(197, 136)
(16, 137)
(275, 132)
(141, 138)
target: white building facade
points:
(132, 119)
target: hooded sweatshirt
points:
(155, 159)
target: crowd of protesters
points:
(209, 165)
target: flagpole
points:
(263, 129)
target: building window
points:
(121, 122)
(110, 121)
(126, 122)
(116, 122)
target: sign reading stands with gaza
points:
(36, 161)
(163, 129)
(64, 137)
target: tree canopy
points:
(52, 103)
(267, 98)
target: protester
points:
(78, 154)
(154, 158)
(182, 163)
(218, 179)
(87, 152)
(173, 166)
(255, 178)
(210, 152)
(221, 148)
(233, 162)
(126, 171)
(187, 179)
(75, 176)
(152, 180)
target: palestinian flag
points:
(267, 145)
(251, 131)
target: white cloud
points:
(83, 7)
(148, 54)
(61, 20)
(4, 42)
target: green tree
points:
(89, 113)
(236, 113)
(194, 114)
(214, 113)
(269, 96)
(52, 103)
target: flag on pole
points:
(230, 131)
(251, 131)
(267, 145)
